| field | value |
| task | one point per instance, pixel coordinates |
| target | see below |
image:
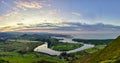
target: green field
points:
(21, 51)
(95, 49)
(65, 46)
(32, 57)
(17, 46)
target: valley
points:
(16, 48)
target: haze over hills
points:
(110, 54)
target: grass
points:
(110, 54)
(19, 46)
(14, 57)
(95, 49)
(21, 51)
(24, 41)
(65, 46)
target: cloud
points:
(8, 28)
(22, 26)
(76, 14)
(50, 31)
(16, 27)
(75, 28)
(31, 4)
(63, 28)
(2, 1)
(11, 13)
(93, 27)
(1, 18)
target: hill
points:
(110, 54)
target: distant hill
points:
(110, 54)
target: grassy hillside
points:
(110, 54)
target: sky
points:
(24, 14)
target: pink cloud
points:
(1, 18)
(32, 4)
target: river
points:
(62, 39)
(69, 40)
